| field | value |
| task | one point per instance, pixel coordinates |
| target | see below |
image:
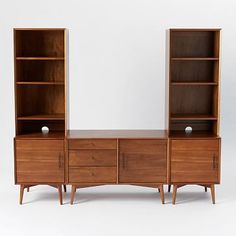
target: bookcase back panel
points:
(40, 71)
(192, 100)
(193, 44)
(33, 100)
(40, 43)
(193, 71)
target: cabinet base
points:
(74, 188)
(211, 186)
(27, 186)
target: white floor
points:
(120, 210)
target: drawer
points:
(93, 158)
(93, 175)
(92, 144)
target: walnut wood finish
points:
(39, 161)
(195, 161)
(40, 74)
(142, 161)
(194, 85)
(92, 144)
(158, 186)
(97, 161)
(85, 158)
(26, 186)
(40, 98)
(92, 175)
(194, 67)
(176, 186)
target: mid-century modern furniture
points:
(40, 100)
(117, 157)
(82, 158)
(194, 102)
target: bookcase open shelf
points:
(194, 81)
(40, 80)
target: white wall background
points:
(117, 55)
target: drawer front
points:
(143, 161)
(39, 161)
(92, 144)
(195, 161)
(93, 175)
(40, 145)
(93, 158)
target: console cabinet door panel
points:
(39, 161)
(195, 161)
(143, 161)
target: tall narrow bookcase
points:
(194, 82)
(40, 101)
(40, 81)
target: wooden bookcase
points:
(194, 84)
(40, 84)
(194, 81)
(150, 158)
(40, 101)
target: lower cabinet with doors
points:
(93, 158)
(39, 162)
(195, 161)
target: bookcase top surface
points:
(195, 29)
(35, 29)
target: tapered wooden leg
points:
(22, 188)
(162, 194)
(64, 186)
(73, 191)
(169, 188)
(174, 194)
(59, 187)
(213, 193)
(205, 189)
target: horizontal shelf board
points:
(193, 83)
(193, 117)
(41, 58)
(39, 83)
(43, 117)
(194, 58)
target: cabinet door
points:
(142, 161)
(195, 161)
(39, 161)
